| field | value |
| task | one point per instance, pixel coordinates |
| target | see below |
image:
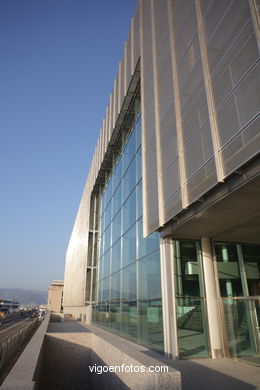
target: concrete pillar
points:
(89, 314)
(168, 299)
(213, 311)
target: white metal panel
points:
(149, 158)
(115, 103)
(106, 130)
(128, 61)
(120, 84)
(110, 125)
(136, 37)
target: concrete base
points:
(78, 357)
(74, 354)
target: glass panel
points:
(190, 305)
(148, 244)
(129, 319)
(117, 175)
(115, 287)
(116, 257)
(187, 269)
(106, 264)
(129, 308)
(115, 316)
(129, 152)
(129, 181)
(228, 270)
(116, 227)
(104, 314)
(138, 133)
(96, 314)
(105, 290)
(192, 334)
(108, 192)
(105, 304)
(129, 246)
(102, 201)
(107, 215)
(149, 277)
(251, 255)
(129, 212)
(107, 237)
(150, 324)
(150, 304)
(129, 283)
(102, 224)
(241, 325)
(238, 271)
(116, 200)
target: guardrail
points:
(24, 373)
(10, 344)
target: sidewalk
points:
(219, 374)
(196, 374)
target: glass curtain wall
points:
(239, 281)
(190, 300)
(129, 282)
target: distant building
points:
(55, 296)
(8, 306)
(165, 249)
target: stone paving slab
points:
(218, 374)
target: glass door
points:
(238, 272)
(190, 300)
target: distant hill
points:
(24, 297)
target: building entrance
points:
(190, 300)
(239, 282)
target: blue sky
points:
(58, 61)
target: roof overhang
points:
(231, 212)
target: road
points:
(12, 326)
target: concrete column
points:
(168, 299)
(213, 312)
(89, 314)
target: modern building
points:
(165, 249)
(55, 296)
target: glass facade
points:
(129, 282)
